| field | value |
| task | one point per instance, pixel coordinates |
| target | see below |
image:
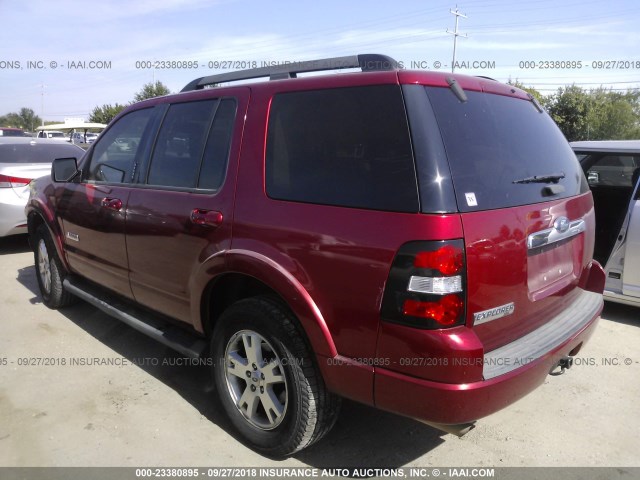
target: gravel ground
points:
(139, 414)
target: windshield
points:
(503, 151)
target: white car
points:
(612, 169)
(53, 135)
(21, 160)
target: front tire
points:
(266, 378)
(49, 271)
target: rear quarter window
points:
(346, 146)
(492, 141)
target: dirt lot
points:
(137, 413)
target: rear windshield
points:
(37, 152)
(495, 144)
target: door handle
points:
(207, 218)
(112, 203)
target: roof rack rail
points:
(367, 62)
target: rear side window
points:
(178, 151)
(193, 145)
(216, 152)
(347, 146)
(494, 143)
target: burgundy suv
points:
(420, 242)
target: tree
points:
(535, 93)
(150, 90)
(105, 113)
(26, 119)
(612, 115)
(569, 107)
(599, 114)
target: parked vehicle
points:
(21, 160)
(612, 169)
(79, 137)
(52, 134)
(11, 132)
(417, 241)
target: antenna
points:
(456, 35)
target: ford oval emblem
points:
(561, 224)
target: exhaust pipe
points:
(565, 363)
(458, 430)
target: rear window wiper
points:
(552, 178)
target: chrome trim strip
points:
(553, 235)
(541, 341)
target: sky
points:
(63, 58)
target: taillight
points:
(7, 181)
(445, 311)
(426, 285)
(448, 260)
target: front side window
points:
(114, 156)
(346, 146)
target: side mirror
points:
(64, 169)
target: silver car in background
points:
(612, 169)
(21, 160)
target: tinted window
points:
(178, 151)
(37, 152)
(216, 153)
(11, 132)
(347, 146)
(493, 141)
(114, 155)
(614, 170)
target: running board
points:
(143, 321)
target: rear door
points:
(181, 214)
(93, 210)
(526, 210)
(631, 272)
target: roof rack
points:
(367, 62)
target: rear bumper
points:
(509, 373)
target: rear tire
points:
(267, 380)
(49, 271)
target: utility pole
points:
(42, 85)
(456, 35)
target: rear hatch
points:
(525, 206)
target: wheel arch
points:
(244, 274)
(35, 218)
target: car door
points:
(631, 271)
(93, 210)
(181, 213)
